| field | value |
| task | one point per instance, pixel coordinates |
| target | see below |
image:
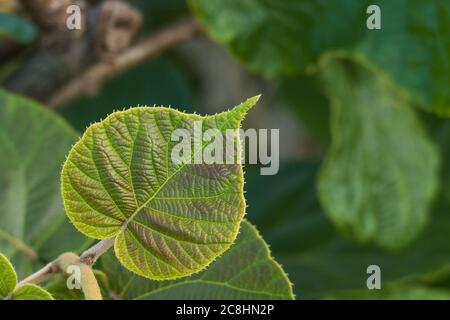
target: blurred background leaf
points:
(16, 28)
(319, 260)
(159, 82)
(246, 271)
(33, 144)
(282, 40)
(277, 38)
(380, 173)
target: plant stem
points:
(42, 274)
(88, 258)
(21, 246)
(93, 253)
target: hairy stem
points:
(42, 274)
(106, 28)
(87, 280)
(93, 253)
(85, 262)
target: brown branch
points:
(43, 274)
(48, 15)
(106, 28)
(92, 79)
(90, 256)
(58, 265)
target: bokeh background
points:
(214, 69)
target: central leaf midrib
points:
(146, 203)
(165, 235)
(124, 225)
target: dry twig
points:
(91, 80)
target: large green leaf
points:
(440, 131)
(170, 219)
(319, 261)
(246, 271)
(287, 37)
(159, 12)
(381, 170)
(33, 145)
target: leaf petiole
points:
(89, 284)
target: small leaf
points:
(439, 129)
(8, 277)
(381, 171)
(246, 271)
(8, 283)
(170, 220)
(31, 292)
(16, 28)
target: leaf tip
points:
(248, 104)
(238, 112)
